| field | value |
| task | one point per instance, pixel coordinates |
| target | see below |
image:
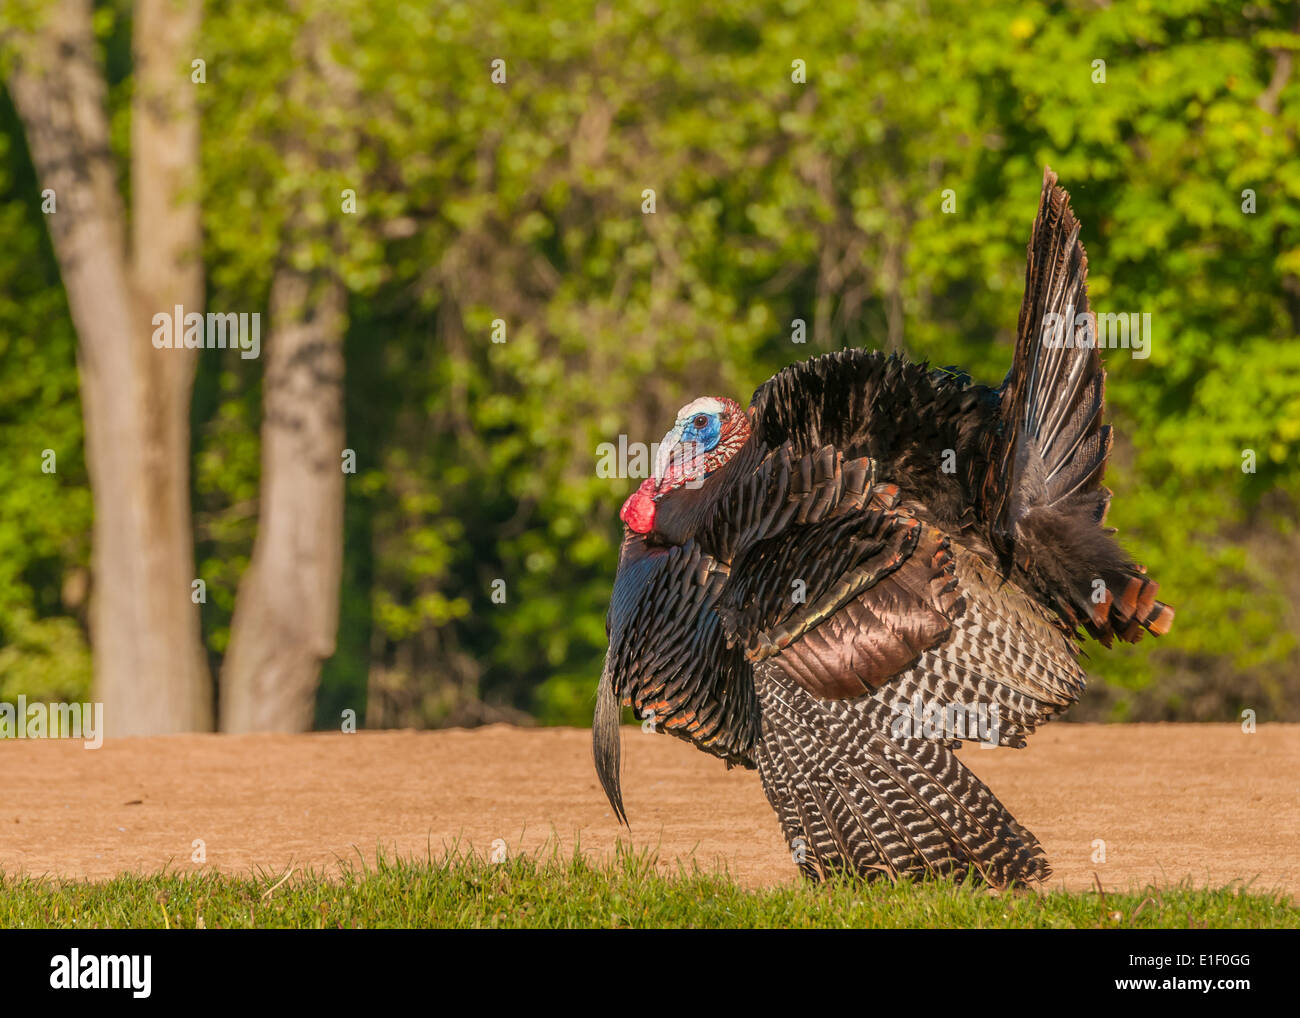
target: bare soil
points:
(1205, 802)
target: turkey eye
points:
(700, 422)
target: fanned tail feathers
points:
(1043, 492)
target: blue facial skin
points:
(705, 437)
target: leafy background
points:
(775, 200)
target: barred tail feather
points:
(1043, 490)
(853, 799)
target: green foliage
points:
(45, 513)
(775, 200)
(464, 891)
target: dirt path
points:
(1170, 801)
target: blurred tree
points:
(823, 200)
(45, 519)
(150, 670)
(286, 613)
(802, 157)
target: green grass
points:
(466, 891)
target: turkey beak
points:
(605, 745)
(669, 450)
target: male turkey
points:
(869, 540)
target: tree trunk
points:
(286, 611)
(287, 608)
(150, 670)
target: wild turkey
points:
(872, 537)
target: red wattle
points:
(638, 511)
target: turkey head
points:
(707, 433)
